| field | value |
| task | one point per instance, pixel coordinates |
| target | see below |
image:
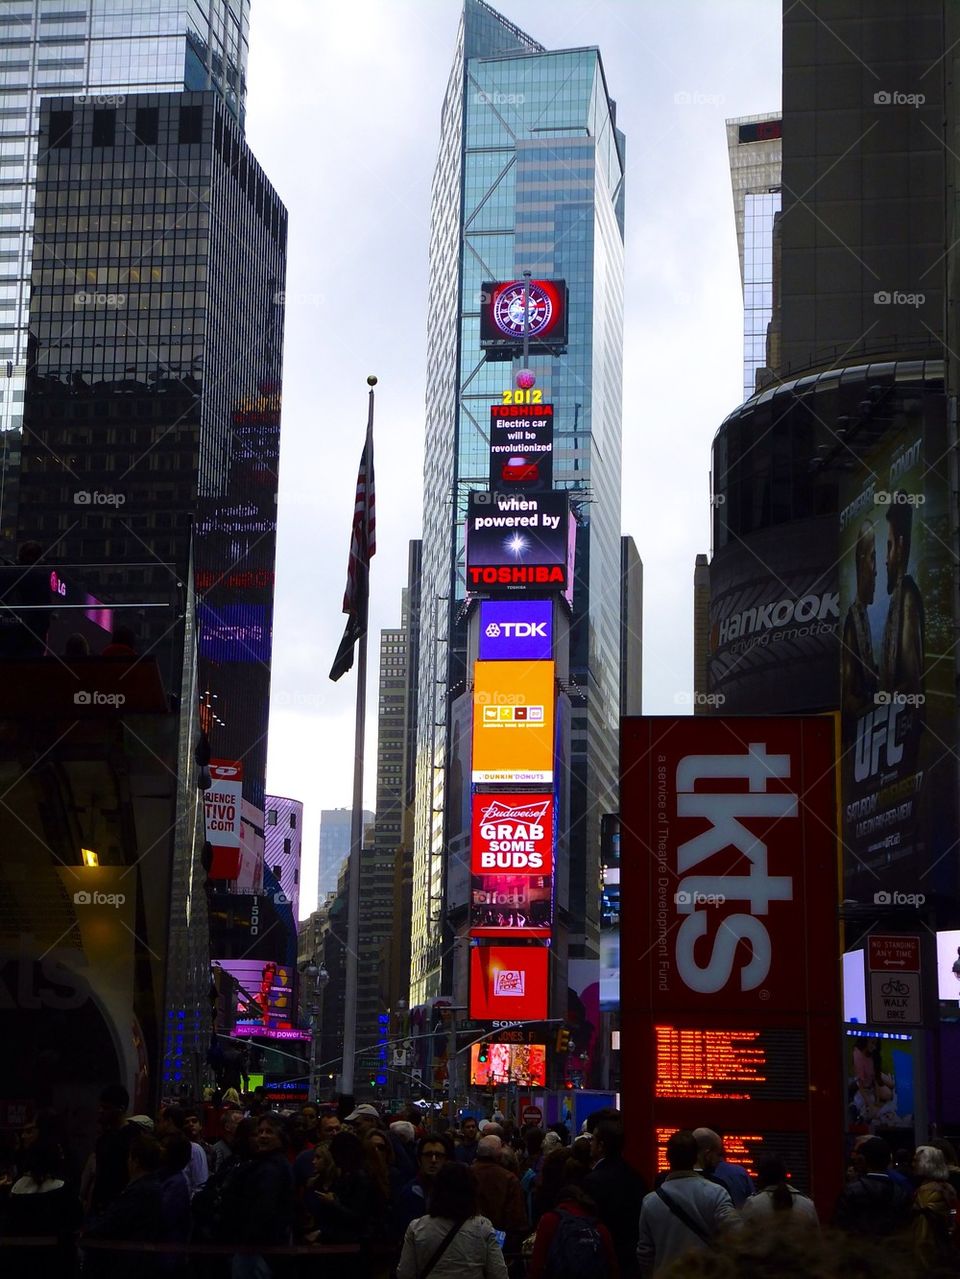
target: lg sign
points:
(516, 630)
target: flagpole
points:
(356, 843)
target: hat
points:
(551, 1141)
(366, 1110)
(142, 1121)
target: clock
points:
(508, 309)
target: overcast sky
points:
(343, 112)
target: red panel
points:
(512, 833)
(730, 969)
(508, 983)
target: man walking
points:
(712, 1162)
(686, 1213)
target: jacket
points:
(932, 1226)
(874, 1205)
(759, 1207)
(664, 1237)
(500, 1198)
(473, 1253)
(618, 1192)
(547, 1228)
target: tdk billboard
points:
(516, 630)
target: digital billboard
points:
(898, 703)
(880, 1081)
(265, 996)
(508, 983)
(521, 447)
(517, 542)
(516, 630)
(503, 316)
(513, 718)
(524, 1064)
(730, 954)
(518, 905)
(222, 806)
(512, 833)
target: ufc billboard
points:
(730, 954)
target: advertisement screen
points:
(519, 905)
(508, 983)
(898, 716)
(513, 705)
(512, 833)
(502, 319)
(948, 967)
(730, 972)
(222, 805)
(264, 993)
(524, 1064)
(521, 447)
(880, 1081)
(516, 630)
(517, 542)
(610, 912)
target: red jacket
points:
(548, 1228)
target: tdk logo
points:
(516, 630)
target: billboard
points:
(880, 1078)
(524, 1064)
(775, 620)
(730, 973)
(513, 705)
(265, 996)
(516, 630)
(518, 905)
(222, 809)
(512, 833)
(521, 446)
(508, 983)
(898, 704)
(517, 542)
(502, 318)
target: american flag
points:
(363, 545)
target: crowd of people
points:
(234, 1189)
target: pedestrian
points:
(466, 1151)
(934, 1211)
(949, 1153)
(134, 1216)
(874, 1203)
(572, 1241)
(712, 1160)
(499, 1195)
(775, 1197)
(261, 1207)
(617, 1189)
(453, 1240)
(222, 1150)
(175, 1198)
(173, 1119)
(433, 1152)
(42, 1202)
(686, 1213)
(109, 1159)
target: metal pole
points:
(356, 842)
(526, 318)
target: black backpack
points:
(576, 1249)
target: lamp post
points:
(320, 977)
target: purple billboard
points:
(516, 630)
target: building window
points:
(147, 126)
(286, 842)
(271, 817)
(104, 128)
(293, 821)
(191, 125)
(61, 128)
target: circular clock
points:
(508, 309)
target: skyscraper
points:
(529, 176)
(335, 847)
(104, 51)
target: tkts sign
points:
(512, 833)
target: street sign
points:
(532, 1115)
(888, 953)
(895, 999)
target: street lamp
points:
(318, 973)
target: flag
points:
(363, 544)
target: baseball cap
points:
(366, 1109)
(142, 1121)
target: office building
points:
(631, 628)
(335, 846)
(529, 176)
(282, 833)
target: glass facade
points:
(760, 213)
(106, 50)
(529, 177)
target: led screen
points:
(508, 983)
(513, 717)
(521, 447)
(517, 541)
(265, 997)
(524, 1064)
(502, 318)
(516, 630)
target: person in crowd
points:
(874, 1203)
(42, 1202)
(363, 1119)
(175, 1198)
(193, 1119)
(571, 1238)
(617, 1189)
(403, 1138)
(533, 1139)
(686, 1213)
(123, 643)
(433, 1151)
(310, 1114)
(330, 1125)
(298, 1137)
(934, 1211)
(135, 1215)
(453, 1240)
(774, 1194)
(466, 1151)
(949, 1153)
(173, 1119)
(353, 1208)
(551, 1180)
(109, 1159)
(222, 1149)
(498, 1192)
(712, 1160)
(262, 1194)
(318, 1192)
(382, 1166)
(215, 1207)
(230, 1100)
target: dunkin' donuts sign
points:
(512, 833)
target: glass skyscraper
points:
(105, 49)
(529, 177)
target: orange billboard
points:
(513, 723)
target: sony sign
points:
(516, 630)
(726, 811)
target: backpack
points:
(576, 1249)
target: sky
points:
(343, 111)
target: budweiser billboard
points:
(511, 863)
(730, 964)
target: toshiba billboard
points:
(730, 956)
(513, 720)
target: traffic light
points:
(563, 1040)
(483, 1056)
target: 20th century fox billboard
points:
(898, 704)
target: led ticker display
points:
(516, 630)
(517, 541)
(730, 1065)
(508, 983)
(513, 722)
(729, 942)
(502, 319)
(743, 1146)
(524, 1064)
(521, 447)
